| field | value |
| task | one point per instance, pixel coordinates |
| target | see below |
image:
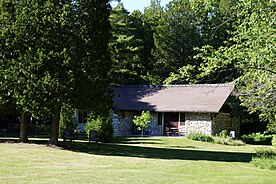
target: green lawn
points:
(126, 160)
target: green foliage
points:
(228, 141)
(54, 53)
(265, 159)
(212, 22)
(274, 140)
(67, 115)
(200, 137)
(240, 49)
(221, 139)
(93, 124)
(101, 125)
(271, 128)
(124, 47)
(257, 138)
(142, 121)
(250, 54)
(175, 38)
(39, 130)
(223, 134)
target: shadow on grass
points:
(156, 153)
(31, 140)
(114, 149)
(136, 140)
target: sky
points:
(132, 5)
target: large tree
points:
(251, 52)
(124, 49)
(56, 52)
(214, 22)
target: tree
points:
(252, 54)
(101, 125)
(142, 121)
(175, 39)
(56, 53)
(214, 20)
(67, 117)
(124, 48)
(16, 62)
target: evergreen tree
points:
(175, 38)
(56, 52)
(124, 49)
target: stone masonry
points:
(123, 125)
(206, 123)
(196, 122)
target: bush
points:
(222, 139)
(257, 138)
(265, 159)
(271, 127)
(102, 126)
(223, 134)
(39, 130)
(228, 141)
(200, 137)
(67, 115)
(274, 140)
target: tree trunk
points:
(55, 126)
(24, 127)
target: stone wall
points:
(123, 125)
(224, 121)
(196, 122)
(154, 128)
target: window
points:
(159, 121)
(182, 119)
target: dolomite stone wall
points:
(123, 125)
(205, 123)
(196, 122)
(154, 128)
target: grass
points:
(265, 158)
(126, 160)
(222, 139)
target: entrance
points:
(171, 121)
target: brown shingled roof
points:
(173, 98)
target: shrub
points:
(274, 140)
(257, 138)
(265, 159)
(40, 129)
(200, 137)
(101, 125)
(228, 141)
(67, 115)
(223, 134)
(271, 127)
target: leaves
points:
(142, 121)
(252, 54)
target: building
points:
(176, 109)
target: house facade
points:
(175, 109)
